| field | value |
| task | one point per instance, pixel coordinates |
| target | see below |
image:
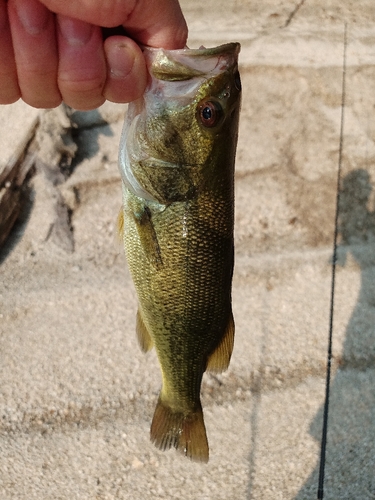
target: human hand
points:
(53, 50)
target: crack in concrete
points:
(293, 13)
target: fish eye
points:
(237, 81)
(210, 113)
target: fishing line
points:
(333, 282)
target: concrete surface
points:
(77, 395)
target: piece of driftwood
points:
(18, 123)
(12, 193)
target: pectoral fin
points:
(147, 236)
(219, 359)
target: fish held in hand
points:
(177, 158)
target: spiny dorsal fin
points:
(219, 359)
(144, 338)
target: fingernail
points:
(74, 31)
(120, 61)
(32, 15)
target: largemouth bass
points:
(177, 163)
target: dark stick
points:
(333, 282)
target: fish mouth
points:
(226, 48)
(184, 64)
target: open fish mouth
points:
(180, 64)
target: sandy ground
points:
(77, 395)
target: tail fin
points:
(187, 433)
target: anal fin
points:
(144, 338)
(219, 359)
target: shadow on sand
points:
(350, 460)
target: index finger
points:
(155, 23)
